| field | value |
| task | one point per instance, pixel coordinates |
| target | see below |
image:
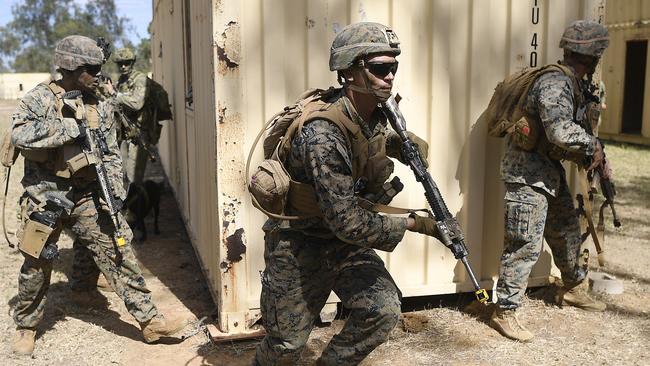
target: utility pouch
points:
(269, 186)
(525, 134)
(33, 238)
(8, 152)
(75, 159)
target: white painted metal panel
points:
(263, 54)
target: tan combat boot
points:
(103, 285)
(575, 294)
(159, 327)
(505, 321)
(23, 342)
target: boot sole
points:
(170, 334)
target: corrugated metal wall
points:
(265, 53)
(628, 20)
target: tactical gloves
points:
(394, 147)
(425, 225)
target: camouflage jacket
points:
(37, 126)
(132, 97)
(551, 99)
(320, 156)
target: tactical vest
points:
(370, 164)
(68, 160)
(272, 188)
(506, 113)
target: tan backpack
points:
(506, 114)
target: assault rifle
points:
(607, 187)
(138, 137)
(450, 232)
(93, 143)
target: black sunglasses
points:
(93, 69)
(382, 69)
(121, 63)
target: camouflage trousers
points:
(532, 215)
(134, 159)
(94, 230)
(300, 273)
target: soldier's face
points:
(377, 75)
(125, 67)
(87, 77)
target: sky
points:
(138, 11)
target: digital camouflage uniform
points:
(38, 127)
(306, 259)
(132, 98)
(538, 203)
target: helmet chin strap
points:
(381, 95)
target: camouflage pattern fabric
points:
(132, 96)
(585, 37)
(300, 273)
(37, 126)
(320, 156)
(538, 203)
(306, 259)
(550, 98)
(532, 215)
(359, 40)
(74, 51)
(124, 54)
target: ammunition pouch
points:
(33, 237)
(75, 159)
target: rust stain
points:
(235, 246)
(229, 48)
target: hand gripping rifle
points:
(607, 187)
(93, 143)
(450, 232)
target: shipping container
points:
(625, 72)
(230, 65)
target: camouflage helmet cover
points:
(124, 54)
(585, 37)
(359, 40)
(74, 51)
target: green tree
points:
(37, 25)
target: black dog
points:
(139, 202)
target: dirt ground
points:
(437, 332)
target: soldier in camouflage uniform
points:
(307, 259)
(132, 98)
(538, 204)
(45, 129)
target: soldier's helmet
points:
(74, 51)
(359, 40)
(124, 54)
(585, 37)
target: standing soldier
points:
(132, 96)
(339, 152)
(538, 204)
(62, 192)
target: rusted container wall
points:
(265, 53)
(627, 20)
